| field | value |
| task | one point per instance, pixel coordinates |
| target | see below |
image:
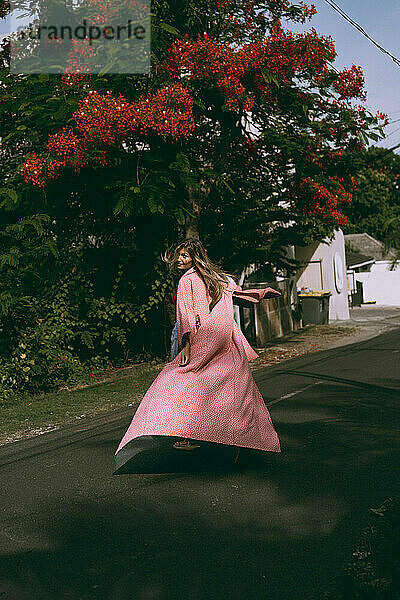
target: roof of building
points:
(365, 243)
(356, 259)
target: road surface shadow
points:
(278, 528)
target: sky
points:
(381, 20)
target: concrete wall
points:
(318, 272)
(381, 284)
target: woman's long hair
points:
(207, 269)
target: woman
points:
(207, 392)
(184, 263)
(174, 333)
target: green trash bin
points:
(315, 307)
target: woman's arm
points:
(185, 317)
(185, 357)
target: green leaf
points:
(108, 67)
(152, 204)
(11, 199)
(373, 136)
(169, 28)
(274, 79)
(181, 163)
(228, 186)
(363, 138)
(124, 205)
(199, 103)
(10, 135)
(180, 217)
(268, 77)
(11, 193)
(266, 74)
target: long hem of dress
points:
(185, 434)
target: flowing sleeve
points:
(252, 296)
(185, 314)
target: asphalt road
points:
(277, 528)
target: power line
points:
(337, 8)
(392, 132)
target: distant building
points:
(369, 271)
(323, 268)
(367, 245)
(356, 263)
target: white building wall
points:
(320, 273)
(381, 284)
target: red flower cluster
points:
(338, 218)
(81, 50)
(295, 54)
(383, 117)
(350, 83)
(34, 170)
(279, 4)
(317, 201)
(102, 119)
(100, 13)
(354, 182)
(68, 149)
(308, 11)
(168, 112)
(105, 11)
(108, 120)
(69, 80)
(250, 14)
(284, 54)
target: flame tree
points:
(244, 133)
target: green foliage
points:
(375, 208)
(69, 329)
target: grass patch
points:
(121, 389)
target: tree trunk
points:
(191, 222)
(191, 228)
(196, 195)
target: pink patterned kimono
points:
(214, 397)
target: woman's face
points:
(184, 260)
